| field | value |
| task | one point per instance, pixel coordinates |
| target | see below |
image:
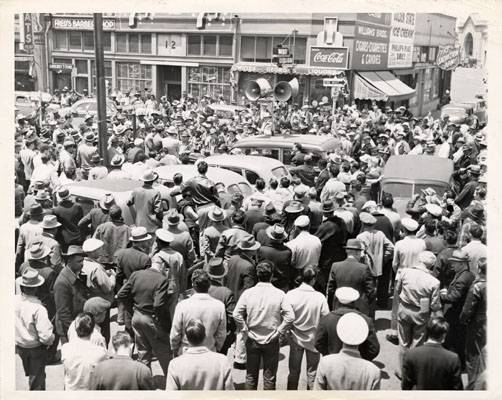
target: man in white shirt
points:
(263, 314)
(305, 248)
(80, 356)
(475, 249)
(309, 306)
(203, 307)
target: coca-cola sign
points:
(329, 57)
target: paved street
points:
(387, 361)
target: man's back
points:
(347, 371)
(431, 367)
(121, 373)
(241, 275)
(199, 369)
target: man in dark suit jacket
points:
(431, 366)
(326, 338)
(352, 273)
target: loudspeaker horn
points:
(283, 91)
(258, 88)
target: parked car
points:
(250, 167)
(225, 112)
(27, 103)
(456, 112)
(89, 193)
(406, 175)
(86, 106)
(281, 147)
(233, 181)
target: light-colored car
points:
(250, 167)
(407, 175)
(281, 147)
(233, 182)
(225, 112)
(27, 103)
(86, 106)
(456, 112)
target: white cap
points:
(138, 142)
(409, 224)
(427, 257)
(346, 295)
(434, 209)
(302, 221)
(352, 329)
(91, 245)
(368, 204)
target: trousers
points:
(151, 340)
(269, 355)
(295, 365)
(34, 362)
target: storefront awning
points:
(380, 85)
(301, 69)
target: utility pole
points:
(100, 86)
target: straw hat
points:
(30, 278)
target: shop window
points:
(108, 73)
(226, 43)
(88, 39)
(133, 76)
(75, 40)
(81, 83)
(194, 46)
(133, 43)
(209, 45)
(146, 43)
(60, 40)
(121, 40)
(300, 50)
(81, 66)
(247, 48)
(214, 81)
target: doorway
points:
(169, 81)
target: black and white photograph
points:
(237, 200)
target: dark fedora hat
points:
(216, 268)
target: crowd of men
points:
(302, 262)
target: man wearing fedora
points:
(211, 235)
(147, 203)
(127, 260)
(98, 170)
(50, 227)
(97, 216)
(279, 254)
(464, 198)
(85, 150)
(453, 299)
(182, 240)
(28, 232)
(69, 214)
(241, 266)
(70, 290)
(114, 234)
(346, 370)
(134, 154)
(34, 331)
(115, 170)
(230, 238)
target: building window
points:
(81, 83)
(81, 66)
(60, 40)
(225, 46)
(300, 50)
(75, 40)
(108, 73)
(247, 48)
(133, 43)
(263, 49)
(133, 76)
(209, 43)
(194, 45)
(88, 39)
(214, 81)
(260, 49)
(107, 41)
(121, 40)
(146, 43)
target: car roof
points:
(96, 189)
(226, 107)
(188, 171)
(242, 161)
(308, 141)
(416, 168)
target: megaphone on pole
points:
(283, 91)
(258, 88)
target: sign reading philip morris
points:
(329, 57)
(81, 23)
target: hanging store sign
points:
(402, 35)
(448, 57)
(87, 24)
(371, 41)
(60, 67)
(329, 57)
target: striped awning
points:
(380, 85)
(300, 69)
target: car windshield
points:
(242, 187)
(279, 172)
(454, 111)
(439, 189)
(399, 189)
